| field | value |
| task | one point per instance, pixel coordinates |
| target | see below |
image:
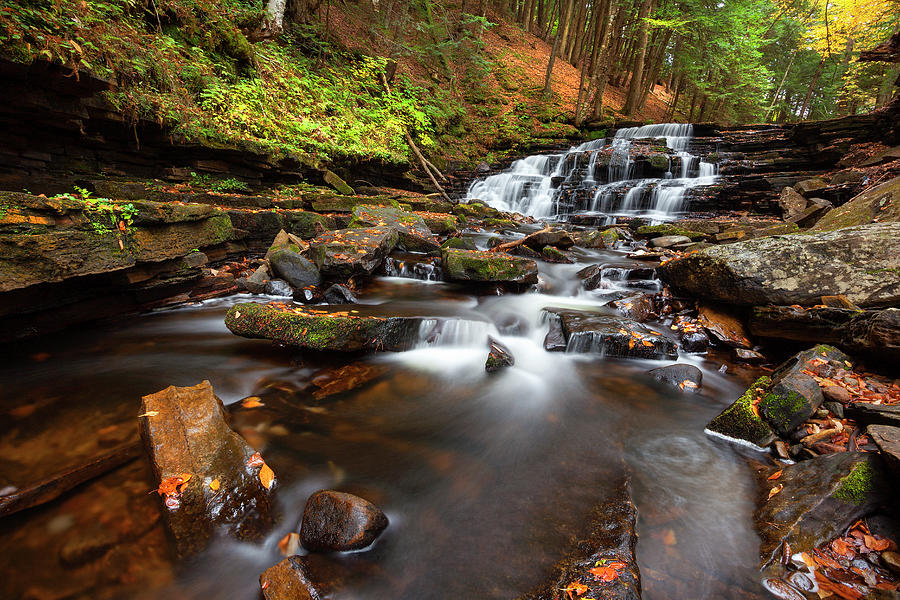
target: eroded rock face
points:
(610, 335)
(184, 432)
(488, 267)
(318, 329)
(820, 498)
(875, 334)
(337, 522)
(344, 253)
(859, 262)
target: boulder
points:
(875, 334)
(286, 241)
(887, 439)
(790, 400)
(878, 204)
(687, 378)
(741, 421)
(639, 308)
(610, 335)
(344, 253)
(460, 243)
(332, 179)
(339, 294)
(748, 356)
(791, 203)
(859, 262)
(557, 238)
(723, 327)
(439, 223)
(488, 267)
(554, 255)
(808, 186)
(256, 283)
(338, 522)
(208, 476)
(819, 499)
(667, 241)
(415, 236)
(278, 287)
(297, 270)
(555, 340)
(307, 225)
(694, 341)
(320, 328)
(499, 357)
(289, 580)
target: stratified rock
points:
(887, 439)
(278, 287)
(297, 270)
(499, 357)
(741, 421)
(487, 267)
(684, 377)
(791, 203)
(879, 204)
(859, 262)
(185, 435)
(819, 499)
(874, 414)
(875, 334)
(808, 186)
(814, 325)
(337, 521)
(288, 580)
(610, 335)
(667, 241)
(321, 328)
(790, 400)
(415, 236)
(344, 253)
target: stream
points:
(485, 478)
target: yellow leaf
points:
(252, 402)
(775, 490)
(267, 476)
(214, 485)
(149, 413)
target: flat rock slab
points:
(186, 436)
(887, 439)
(818, 499)
(323, 327)
(876, 204)
(488, 267)
(874, 414)
(814, 325)
(609, 335)
(344, 253)
(859, 262)
(414, 234)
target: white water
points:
(528, 185)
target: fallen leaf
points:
(267, 476)
(608, 572)
(875, 544)
(669, 538)
(214, 485)
(775, 475)
(289, 545)
(255, 460)
(775, 490)
(251, 402)
(149, 413)
(842, 548)
(576, 587)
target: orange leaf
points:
(608, 572)
(214, 485)
(775, 475)
(251, 402)
(255, 460)
(842, 548)
(576, 587)
(267, 476)
(875, 544)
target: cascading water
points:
(632, 174)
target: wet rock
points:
(639, 308)
(555, 255)
(874, 414)
(488, 267)
(184, 432)
(858, 262)
(555, 340)
(878, 204)
(460, 243)
(790, 400)
(307, 225)
(557, 238)
(875, 334)
(782, 589)
(887, 438)
(83, 549)
(297, 270)
(667, 241)
(256, 283)
(814, 325)
(289, 580)
(339, 294)
(285, 241)
(414, 234)
(278, 287)
(529, 253)
(440, 223)
(684, 377)
(723, 327)
(791, 203)
(309, 295)
(317, 329)
(748, 356)
(820, 498)
(740, 421)
(344, 253)
(499, 358)
(482, 168)
(337, 521)
(610, 335)
(694, 341)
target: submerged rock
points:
(499, 357)
(319, 328)
(859, 262)
(212, 473)
(685, 377)
(741, 421)
(818, 499)
(288, 580)
(610, 335)
(339, 294)
(337, 521)
(488, 267)
(344, 253)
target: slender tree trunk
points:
(812, 86)
(670, 114)
(655, 65)
(565, 24)
(563, 18)
(781, 85)
(577, 41)
(634, 90)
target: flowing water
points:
(578, 182)
(485, 478)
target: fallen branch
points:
(517, 243)
(815, 437)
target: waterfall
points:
(604, 177)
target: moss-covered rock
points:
(741, 421)
(307, 225)
(789, 401)
(319, 328)
(487, 267)
(460, 243)
(499, 223)
(321, 202)
(415, 235)
(439, 223)
(668, 229)
(879, 204)
(343, 253)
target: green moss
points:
(488, 267)
(856, 485)
(499, 223)
(659, 162)
(780, 409)
(740, 420)
(669, 229)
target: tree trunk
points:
(655, 66)
(274, 21)
(812, 86)
(577, 41)
(563, 18)
(634, 90)
(781, 85)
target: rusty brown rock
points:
(288, 580)
(337, 521)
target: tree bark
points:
(634, 90)
(812, 86)
(563, 17)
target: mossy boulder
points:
(415, 236)
(789, 401)
(343, 253)
(499, 223)
(321, 202)
(487, 267)
(439, 223)
(878, 204)
(306, 224)
(859, 262)
(741, 421)
(668, 229)
(323, 328)
(460, 243)
(335, 181)
(819, 499)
